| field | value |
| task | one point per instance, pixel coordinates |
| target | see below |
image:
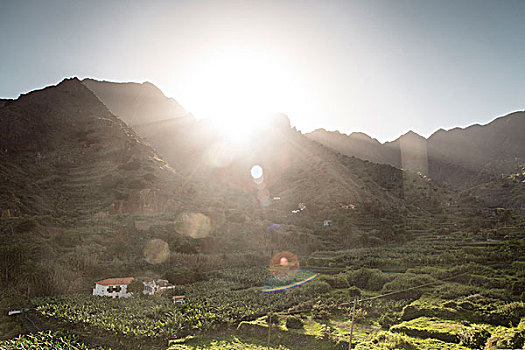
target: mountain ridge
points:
(494, 148)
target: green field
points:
(450, 301)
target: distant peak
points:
(280, 120)
(411, 134)
(360, 135)
(319, 130)
(150, 85)
(71, 79)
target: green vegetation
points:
(45, 341)
(431, 268)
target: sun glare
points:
(236, 90)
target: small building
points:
(162, 285)
(149, 286)
(327, 223)
(178, 299)
(152, 286)
(113, 287)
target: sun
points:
(237, 90)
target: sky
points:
(381, 67)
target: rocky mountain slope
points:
(296, 170)
(83, 197)
(135, 103)
(459, 158)
(63, 151)
(156, 118)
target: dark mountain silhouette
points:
(459, 158)
(136, 103)
(4, 101)
(63, 152)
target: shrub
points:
(454, 291)
(474, 337)
(406, 281)
(354, 291)
(338, 281)
(183, 275)
(394, 341)
(25, 224)
(316, 288)
(388, 320)
(320, 311)
(467, 305)
(68, 238)
(365, 278)
(508, 314)
(294, 323)
(273, 319)
(505, 338)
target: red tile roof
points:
(115, 281)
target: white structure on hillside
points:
(152, 286)
(178, 299)
(113, 287)
(118, 287)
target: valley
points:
(109, 180)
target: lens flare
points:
(196, 225)
(257, 172)
(284, 266)
(264, 197)
(273, 227)
(301, 277)
(156, 251)
(220, 154)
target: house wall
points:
(149, 288)
(102, 291)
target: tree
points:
(136, 287)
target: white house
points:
(113, 287)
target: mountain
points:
(64, 152)
(4, 101)
(175, 133)
(459, 158)
(296, 170)
(466, 157)
(136, 103)
(506, 191)
(84, 196)
(79, 193)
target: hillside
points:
(85, 198)
(75, 181)
(64, 153)
(79, 181)
(507, 191)
(136, 103)
(296, 170)
(459, 158)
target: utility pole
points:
(269, 328)
(352, 326)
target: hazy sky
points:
(380, 67)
